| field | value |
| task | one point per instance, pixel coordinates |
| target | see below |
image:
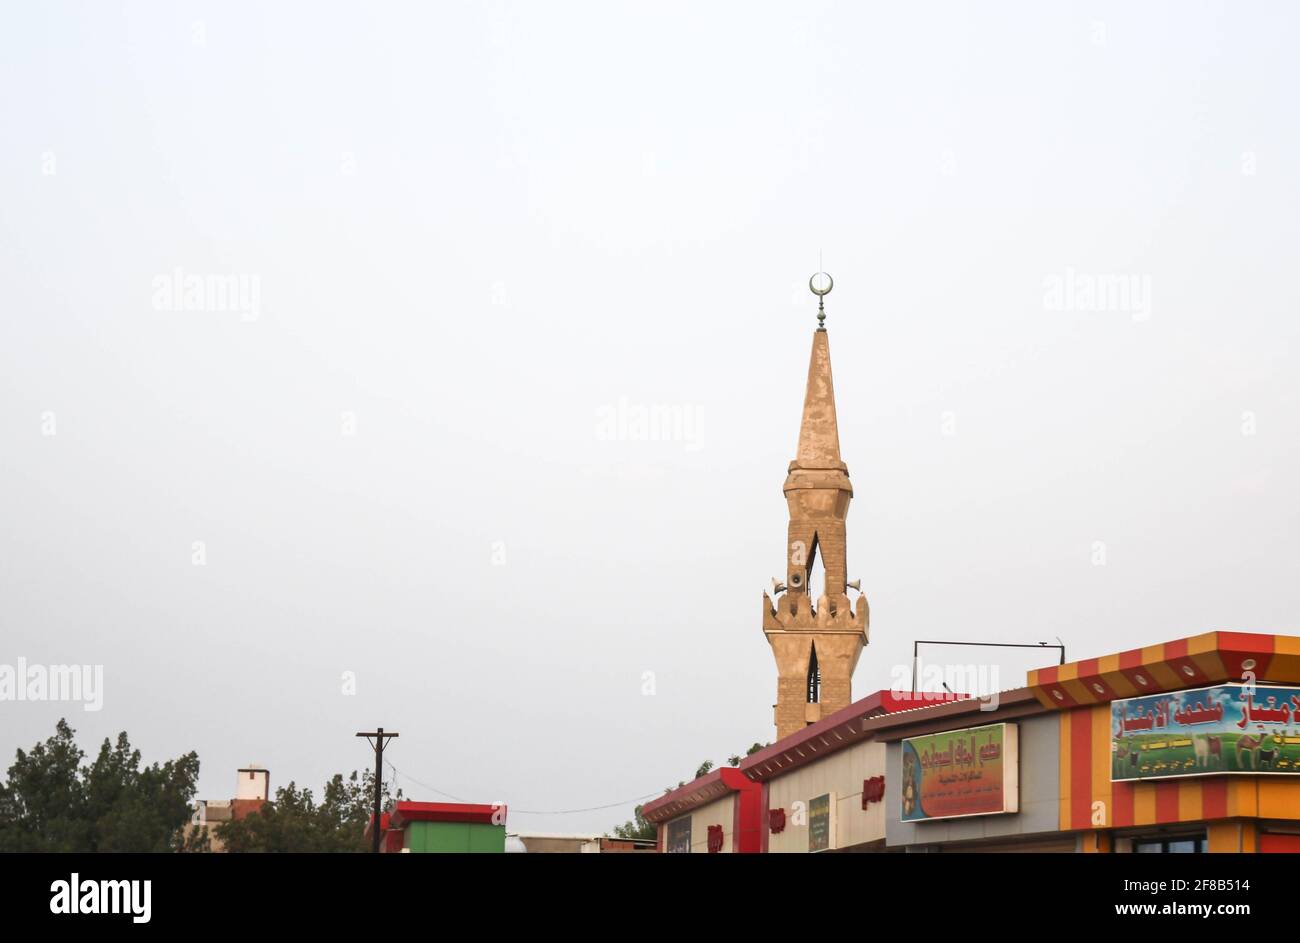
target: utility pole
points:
(378, 746)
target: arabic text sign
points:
(819, 823)
(973, 771)
(1227, 728)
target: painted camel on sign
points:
(1253, 747)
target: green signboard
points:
(819, 823)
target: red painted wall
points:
(1286, 844)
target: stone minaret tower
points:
(816, 647)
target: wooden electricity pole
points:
(378, 746)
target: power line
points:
(514, 811)
(445, 795)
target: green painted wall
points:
(455, 837)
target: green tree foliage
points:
(638, 827)
(295, 822)
(53, 802)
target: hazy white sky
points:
(483, 236)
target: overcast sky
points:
(476, 241)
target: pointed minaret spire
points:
(819, 431)
(828, 638)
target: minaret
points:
(816, 647)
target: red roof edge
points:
(717, 783)
(712, 785)
(477, 814)
(873, 705)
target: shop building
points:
(444, 827)
(553, 843)
(550, 843)
(719, 812)
(1159, 749)
(980, 774)
(1191, 745)
(604, 845)
(831, 771)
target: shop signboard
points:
(679, 836)
(820, 824)
(973, 771)
(1226, 728)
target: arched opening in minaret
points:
(814, 678)
(816, 571)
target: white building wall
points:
(719, 812)
(841, 774)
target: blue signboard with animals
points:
(1228, 728)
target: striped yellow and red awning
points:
(1206, 659)
(1083, 690)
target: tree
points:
(135, 808)
(295, 822)
(51, 802)
(638, 827)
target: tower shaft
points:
(816, 646)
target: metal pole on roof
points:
(378, 746)
(916, 645)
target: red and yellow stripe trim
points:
(1171, 666)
